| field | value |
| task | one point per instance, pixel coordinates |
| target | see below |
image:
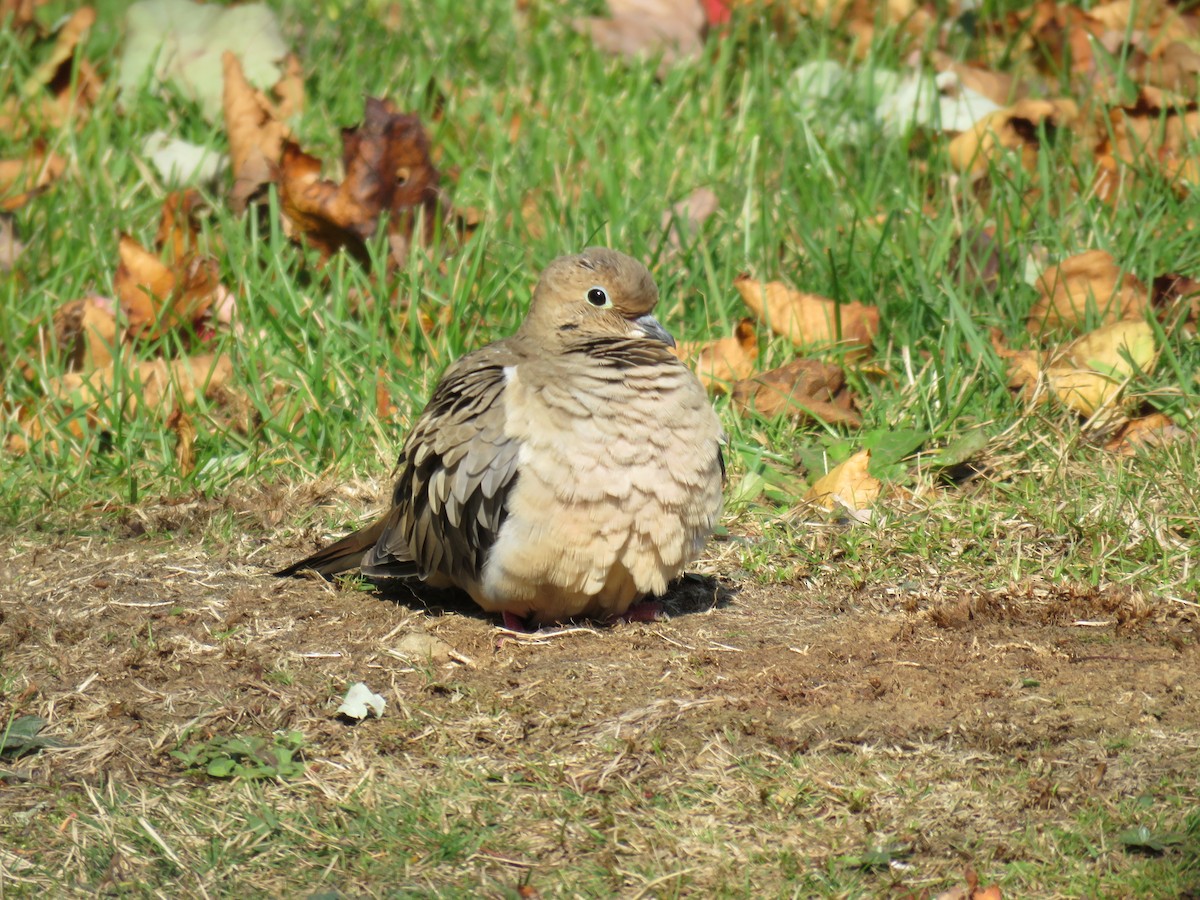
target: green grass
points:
(604, 148)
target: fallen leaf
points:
(721, 362)
(979, 148)
(178, 229)
(388, 169)
(1088, 285)
(18, 14)
(180, 423)
(805, 388)
(143, 284)
(1145, 432)
(11, 246)
(1001, 88)
(156, 386)
(688, 214)
(25, 178)
(181, 162)
(1120, 350)
(182, 43)
(1089, 374)
(848, 484)
(256, 127)
(672, 29)
(60, 87)
(809, 320)
(86, 332)
(360, 701)
(1158, 133)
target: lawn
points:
(980, 659)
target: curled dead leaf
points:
(847, 484)
(156, 386)
(86, 332)
(721, 362)
(1088, 375)
(1016, 127)
(180, 423)
(809, 320)
(1145, 432)
(805, 388)
(60, 87)
(672, 28)
(256, 127)
(1087, 285)
(24, 178)
(388, 169)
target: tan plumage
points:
(569, 470)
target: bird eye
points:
(597, 296)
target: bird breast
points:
(619, 485)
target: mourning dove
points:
(572, 469)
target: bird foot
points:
(513, 622)
(645, 611)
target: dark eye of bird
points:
(597, 296)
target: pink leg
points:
(514, 622)
(645, 611)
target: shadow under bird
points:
(572, 469)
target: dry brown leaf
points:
(388, 169)
(18, 14)
(11, 246)
(721, 362)
(178, 230)
(184, 429)
(1001, 88)
(976, 150)
(142, 283)
(1089, 374)
(690, 212)
(1145, 432)
(1159, 132)
(809, 320)
(672, 28)
(256, 127)
(848, 484)
(50, 96)
(1121, 349)
(385, 409)
(1087, 285)
(156, 386)
(86, 332)
(156, 298)
(805, 388)
(22, 179)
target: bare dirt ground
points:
(1055, 696)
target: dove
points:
(571, 470)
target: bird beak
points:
(650, 327)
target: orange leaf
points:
(809, 320)
(255, 127)
(848, 484)
(805, 388)
(979, 148)
(86, 330)
(1087, 284)
(142, 283)
(23, 179)
(720, 362)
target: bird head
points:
(596, 292)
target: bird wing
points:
(456, 471)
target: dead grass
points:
(757, 742)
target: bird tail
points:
(341, 556)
